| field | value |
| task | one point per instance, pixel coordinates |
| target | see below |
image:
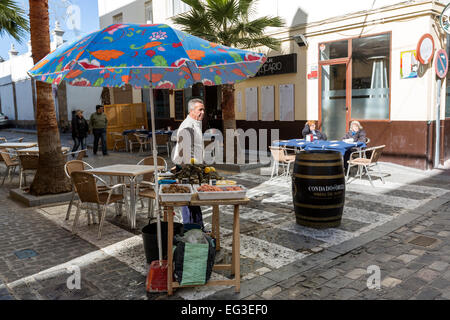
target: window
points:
(118, 18)
(178, 7)
(179, 105)
(333, 50)
(370, 77)
(149, 12)
(162, 104)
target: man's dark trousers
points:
(100, 134)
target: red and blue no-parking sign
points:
(441, 63)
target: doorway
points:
(334, 115)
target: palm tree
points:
(13, 20)
(228, 22)
(50, 177)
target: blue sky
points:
(65, 11)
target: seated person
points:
(356, 132)
(310, 128)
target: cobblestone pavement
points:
(279, 259)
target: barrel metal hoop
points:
(318, 206)
(335, 218)
(318, 156)
(303, 176)
(320, 164)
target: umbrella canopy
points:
(138, 55)
(146, 56)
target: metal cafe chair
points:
(118, 139)
(365, 163)
(143, 141)
(281, 158)
(28, 165)
(146, 187)
(78, 165)
(11, 163)
(87, 190)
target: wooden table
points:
(131, 171)
(18, 145)
(235, 266)
(35, 150)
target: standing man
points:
(80, 129)
(192, 147)
(98, 123)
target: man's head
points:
(80, 113)
(99, 109)
(196, 109)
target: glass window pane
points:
(179, 105)
(149, 12)
(370, 77)
(162, 104)
(333, 50)
(334, 100)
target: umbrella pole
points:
(155, 163)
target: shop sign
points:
(444, 19)
(408, 64)
(441, 63)
(425, 48)
(278, 65)
(313, 73)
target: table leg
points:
(169, 251)
(236, 250)
(132, 203)
(216, 226)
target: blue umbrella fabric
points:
(137, 55)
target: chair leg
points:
(150, 208)
(273, 170)
(77, 216)
(102, 220)
(368, 174)
(348, 173)
(20, 178)
(99, 212)
(70, 206)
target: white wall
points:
(6, 92)
(24, 96)
(82, 98)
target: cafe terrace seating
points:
(88, 194)
(365, 160)
(281, 159)
(78, 165)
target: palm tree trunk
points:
(50, 177)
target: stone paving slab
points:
(269, 241)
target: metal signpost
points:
(441, 68)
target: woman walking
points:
(80, 129)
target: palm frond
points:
(13, 20)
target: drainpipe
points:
(438, 125)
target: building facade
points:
(338, 62)
(18, 96)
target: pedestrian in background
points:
(80, 129)
(98, 123)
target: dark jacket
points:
(318, 134)
(359, 136)
(80, 127)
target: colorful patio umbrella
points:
(146, 56)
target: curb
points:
(275, 277)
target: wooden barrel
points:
(318, 189)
